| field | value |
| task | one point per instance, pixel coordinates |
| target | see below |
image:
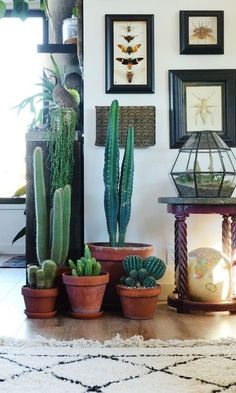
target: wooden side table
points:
(182, 208)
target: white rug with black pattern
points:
(117, 365)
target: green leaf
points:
(2, 8)
(20, 234)
(20, 9)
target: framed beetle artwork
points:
(202, 100)
(129, 50)
(201, 32)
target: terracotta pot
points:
(39, 303)
(86, 294)
(138, 303)
(111, 260)
(62, 303)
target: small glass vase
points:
(70, 31)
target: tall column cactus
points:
(118, 187)
(52, 235)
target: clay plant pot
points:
(111, 261)
(138, 303)
(40, 303)
(86, 294)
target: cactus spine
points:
(86, 266)
(118, 188)
(42, 277)
(142, 273)
(52, 244)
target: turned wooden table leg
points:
(233, 254)
(181, 255)
(226, 235)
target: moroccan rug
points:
(117, 366)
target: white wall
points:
(149, 222)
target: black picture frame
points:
(129, 53)
(201, 32)
(214, 92)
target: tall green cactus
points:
(118, 187)
(53, 243)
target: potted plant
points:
(52, 228)
(85, 286)
(117, 202)
(40, 294)
(139, 290)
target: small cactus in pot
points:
(40, 294)
(85, 286)
(138, 290)
(142, 273)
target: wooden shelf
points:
(57, 48)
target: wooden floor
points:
(166, 325)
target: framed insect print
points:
(202, 100)
(129, 50)
(201, 32)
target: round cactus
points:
(130, 282)
(149, 282)
(133, 274)
(142, 274)
(132, 262)
(155, 266)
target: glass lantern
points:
(205, 167)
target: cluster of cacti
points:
(86, 266)
(52, 234)
(118, 186)
(43, 276)
(142, 273)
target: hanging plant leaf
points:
(2, 8)
(20, 9)
(20, 234)
(44, 7)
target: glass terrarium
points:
(205, 167)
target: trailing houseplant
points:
(138, 290)
(41, 293)
(118, 183)
(85, 285)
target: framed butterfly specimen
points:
(129, 49)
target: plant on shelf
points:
(118, 182)
(41, 293)
(21, 8)
(85, 286)
(139, 290)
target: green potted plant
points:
(139, 290)
(52, 225)
(117, 202)
(40, 294)
(85, 286)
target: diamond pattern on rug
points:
(68, 369)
